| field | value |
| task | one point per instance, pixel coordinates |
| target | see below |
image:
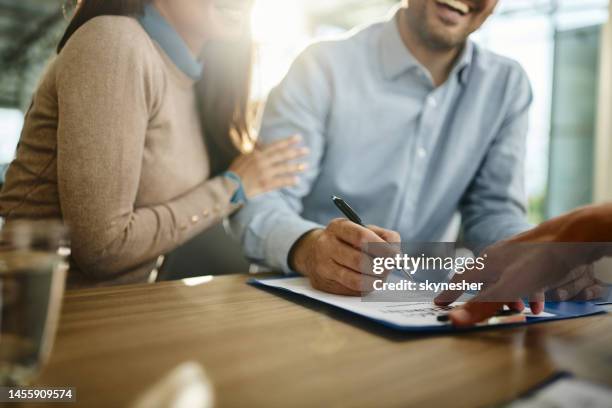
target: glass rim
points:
(22, 234)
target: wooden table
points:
(265, 350)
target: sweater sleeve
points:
(108, 89)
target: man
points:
(544, 257)
(410, 122)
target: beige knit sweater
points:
(113, 145)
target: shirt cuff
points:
(282, 238)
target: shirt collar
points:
(397, 59)
(464, 61)
(171, 42)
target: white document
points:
(401, 314)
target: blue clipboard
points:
(561, 310)
(607, 299)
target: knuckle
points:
(354, 282)
(334, 224)
(363, 238)
(322, 240)
(356, 260)
(345, 279)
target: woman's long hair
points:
(223, 93)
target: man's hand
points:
(335, 261)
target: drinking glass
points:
(33, 266)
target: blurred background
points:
(558, 42)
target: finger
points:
(536, 307)
(281, 154)
(536, 302)
(353, 259)
(330, 286)
(385, 234)
(570, 277)
(348, 278)
(354, 234)
(392, 247)
(559, 288)
(447, 297)
(572, 289)
(594, 292)
(286, 169)
(450, 296)
(517, 305)
(474, 312)
(280, 144)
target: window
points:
(11, 122)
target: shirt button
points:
(195, 219)
(422, 153)
(432, 102)
(206, 213)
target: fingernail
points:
(589, 294)
(563, 295)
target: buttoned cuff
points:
(282, 238)
(208, 204)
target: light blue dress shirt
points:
(170, 41)
(405, 154)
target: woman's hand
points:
(271, 167)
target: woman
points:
(127, 127)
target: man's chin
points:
(443, 38)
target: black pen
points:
(352, 216)
(347, 210)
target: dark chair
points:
(210, 253)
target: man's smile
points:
(456, 6)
